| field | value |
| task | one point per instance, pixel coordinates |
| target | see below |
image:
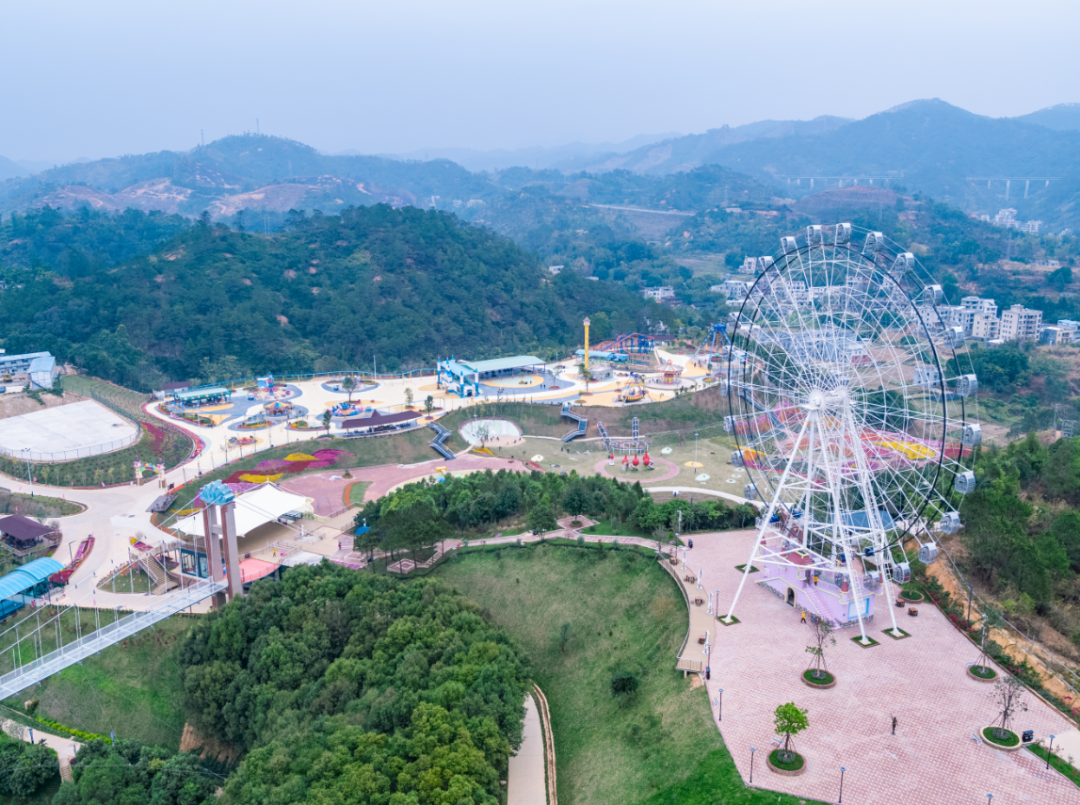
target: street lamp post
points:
(720, 706)
(752, 750)
(969, 605)
(29, 476)
(1049, 752)
(695, 449)
(841, 798)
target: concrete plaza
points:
(921, 680)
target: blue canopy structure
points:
(19, 586)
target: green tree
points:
(575, 500)
(429, 404)
(624, 685)
(789, 720)
(542, 516)
(408, 397)
(821, 634)
(349, 384)
(1008, 699)
(327, 419)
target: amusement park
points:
(831, 422)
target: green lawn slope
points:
(624, 613)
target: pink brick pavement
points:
(383, 478)
(921, 680)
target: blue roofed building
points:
(19, 587)
(39, 367)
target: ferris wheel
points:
(853, 411)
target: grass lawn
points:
(624, 530)
(624, 614)
(134, 690)
(133, 580)
(356, 492)
(1058, 763)
(41, 506)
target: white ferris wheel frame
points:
(844, 387)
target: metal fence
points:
(71, 455)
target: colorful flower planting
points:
(274, 469)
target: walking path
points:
(526, 785)
(65, 748)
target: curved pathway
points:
(527, 780)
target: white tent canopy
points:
(267, 504)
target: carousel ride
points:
(851, 419)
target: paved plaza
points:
(66, 432)
(921, 680)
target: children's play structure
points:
(465, 378)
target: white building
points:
(1020, 323)
(734, 290)
(987, 328)
(659, 294)
(556, 269)
(748, 265)
(926, 376)
(971, 308)
(1055, 335)
(1031, 227)
(1006, 217)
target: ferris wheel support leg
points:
(872, 513)
(837, 503)
(765, 521)
(888, 602)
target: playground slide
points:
(582, 423)
(441, 435)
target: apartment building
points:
(1020, 323)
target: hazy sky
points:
(127, 76)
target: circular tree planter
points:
(826, 681)
(912, 596)
(791, 769)
(982, 673)
(1010, 743)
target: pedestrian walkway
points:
(65, 748)
(527, 785)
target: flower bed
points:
(294, 463)
(62, 576)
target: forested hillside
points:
(400, 286)
(1021, 536)
(82, 242)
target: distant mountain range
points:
(926, 146)
(573, 156)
